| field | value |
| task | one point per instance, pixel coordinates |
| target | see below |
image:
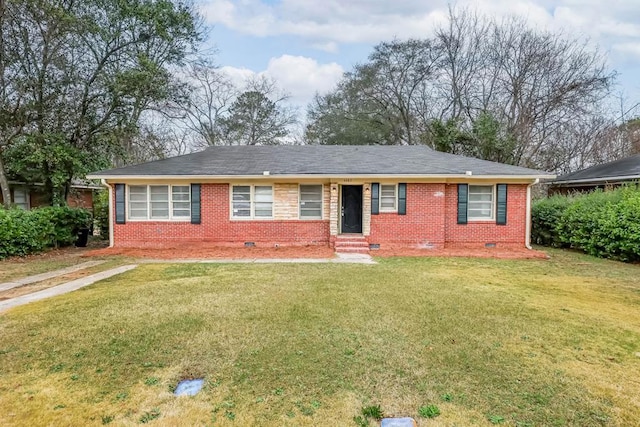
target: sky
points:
(306, 45)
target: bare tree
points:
(211, 94)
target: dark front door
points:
(352, 208)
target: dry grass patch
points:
(53, 259)
(524, 342)
(59, 280)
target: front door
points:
(351, 209)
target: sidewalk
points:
(46, 276)
(64, 288)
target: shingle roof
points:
(627, 168)
(318, 160)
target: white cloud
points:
(299, 76)
(333, 25)
(302, 76)
(326, 24)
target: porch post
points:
(334, 206)
(366, 209)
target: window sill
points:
(251, 219)
(158, 220)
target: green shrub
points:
(20, 233)
(545, 215)
(26, 232)
(602, 223)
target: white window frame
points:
(27, 202)
(311, 218)
(395, 202)
(171, 217)
(252, 203)
(493, 203)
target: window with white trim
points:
(159, 202)
(310, 201)
(252, 201)
(481, 202)
(388, 198)
(21, 198)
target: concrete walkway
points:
(46, 276)
(63, 289)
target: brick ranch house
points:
(346, 197)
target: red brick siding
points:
(80, 198)
(217, 228)
(431, 220)
(481, 232)
(423, 223)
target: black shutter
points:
(120, 203)
(195, 204)
(402, 199)
(463, 201)
(501, 205)
(375, 198)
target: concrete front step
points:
(352, 244)
(353, 249)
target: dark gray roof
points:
(318, 160)
(627, 168)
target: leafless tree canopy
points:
(499, 90)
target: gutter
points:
(527, 228)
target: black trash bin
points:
(83, 238)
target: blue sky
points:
(306, 45)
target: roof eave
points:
(597, 180)
(320, 176)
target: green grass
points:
(491, 341)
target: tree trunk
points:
(4, 185)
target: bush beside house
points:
(601, 223)
(26, 232)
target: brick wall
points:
(423, 224)
(80, 198)
(217, 227)
(431, 221)
(480, 233)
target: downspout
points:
(527, 232)
(104, 182)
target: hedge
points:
(26, 232)
(602, 223)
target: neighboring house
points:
(29, 196)
(341, 196)
(607, 175)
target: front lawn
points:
(522, 343)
